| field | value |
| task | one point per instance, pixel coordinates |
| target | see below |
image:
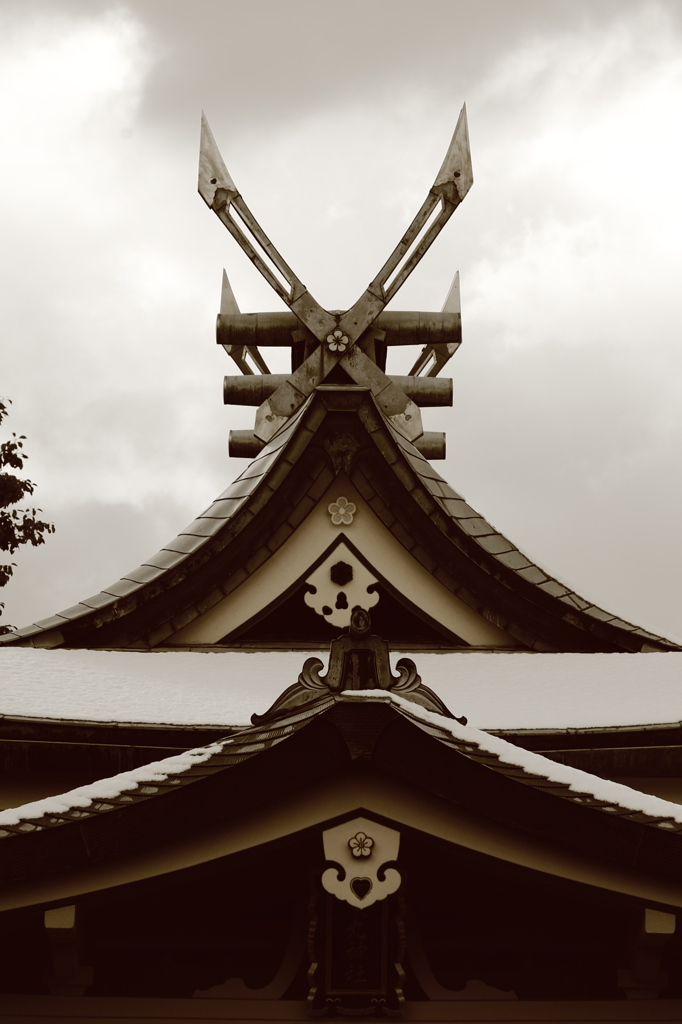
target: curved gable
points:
(496, 596)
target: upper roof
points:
(459, 581)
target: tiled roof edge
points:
(153, 779)
(507, 554)
(532, 768)
(208, 524)
(496, 753)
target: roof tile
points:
(646, 634)
(50, 622)
(122, 588)
(260, 465)
(554, 588)
(144, 574)
(165, 559)
(532, 574)
(239, 489)
(24, 631)
(203, 528)
(622, 624)
(475, 527)
(186, 543)
(222, 508)
(599, 613)
(448, 491)
(100, 600)
(458, 508)
(76, 611)
(47, 638)
(514, 559)
(424, 468)
(435, 487)
(495, 543)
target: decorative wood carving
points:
(361, 852)
(357, 661)
(341, 584)
(356, 953)
(332, 338)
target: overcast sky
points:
(333, 118)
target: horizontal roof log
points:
(402, 328)
(253, 389)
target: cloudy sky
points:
(333, 118)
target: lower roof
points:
(503, 691)
(623, 840)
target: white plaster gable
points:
(295, 560)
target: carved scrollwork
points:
(298, 694)
(310, 674)
(408, 678)
(358, 660)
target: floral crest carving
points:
(337, 341)
(347, 848)
(342, 511)
(361, 845)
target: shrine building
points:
(340, 748)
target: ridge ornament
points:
(349, 340)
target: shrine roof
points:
(244, 526)
(500, 691)
(457, 763)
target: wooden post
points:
(67, 977)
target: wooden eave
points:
(93, 750)
(645, 751)
(338, 429)
(263, 767)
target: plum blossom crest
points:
(361, 845)
(337, 341)
(342, 511)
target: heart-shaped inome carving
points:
(360, 887)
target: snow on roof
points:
(579, 782)
(494, 690)
(471, 742)
(110, 788)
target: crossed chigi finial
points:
(356, 339)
